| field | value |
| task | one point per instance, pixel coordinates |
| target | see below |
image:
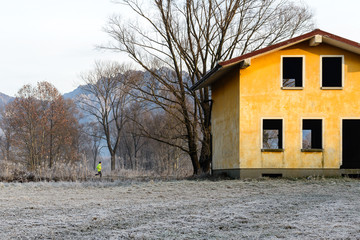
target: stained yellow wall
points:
(261, 96)
(225, 116)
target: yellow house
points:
(291, 109)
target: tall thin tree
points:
(105, 100)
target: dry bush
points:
(61, 171)
(11, 171)
(64, 172)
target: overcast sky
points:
(54, 40)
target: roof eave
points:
(200, 84)
(342, 45)
(216, 73)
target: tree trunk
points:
(195, 163)
(206, 146)
(51, 145)
(7, 144)
(194, 157)
(94, 159)
(206, 153)
(113, 161)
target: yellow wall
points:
(261, 96)
(225, 116)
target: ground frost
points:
(265, 209)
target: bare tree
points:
(7, 137)
(107, 97)
(95, 133)
(133, 140)
(44, 126)
(192, 36)
(60, 122)
(139, 151)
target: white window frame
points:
(322, 134)
(303, 72)
(262, 132)
(342, 73)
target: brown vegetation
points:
(41, 127)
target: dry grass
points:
(80, 171)
(16, 172)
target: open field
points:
(257, 209)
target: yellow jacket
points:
(98, 167)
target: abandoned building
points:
(291, 109)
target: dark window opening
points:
(272, 134)
(350, 144)
(272, 175)
(292, 71)
(312, 134)
(331, 71)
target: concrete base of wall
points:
(281, 172)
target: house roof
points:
(316, 37)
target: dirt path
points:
(270, 209)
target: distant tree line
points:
(125, 124)
(41, 129)
(147, 119)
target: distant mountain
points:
(75, 93)
(5, 99)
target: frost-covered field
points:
(258, 209)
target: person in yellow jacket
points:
(98, 167)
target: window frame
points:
(322, 134)
(262, 135)
(342, 72)
(281, 72)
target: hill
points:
(5, 99)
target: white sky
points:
(51, 40)
(54, 40)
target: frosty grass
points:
(236, 209)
